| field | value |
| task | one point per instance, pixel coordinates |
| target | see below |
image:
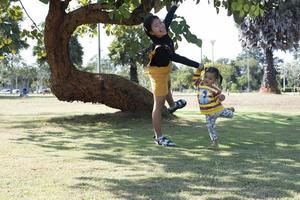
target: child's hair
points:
(216, 72)
(148, 22)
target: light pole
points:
(201, 53)
(212, 49)
(99, 49)
(248, 74)
(99, 46)
(284, 74)
(248, 77)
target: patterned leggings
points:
(211, 122)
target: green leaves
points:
(129, 45)
(3, 2)
(180, 27)
(275, 29)
(122, 12)
(44, 1)
(244, 8)
(7, 41)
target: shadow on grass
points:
(259, 157)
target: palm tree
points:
(278, 29)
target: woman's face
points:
(158, 28)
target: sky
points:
(202, 18)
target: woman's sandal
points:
(178, 104)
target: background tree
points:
(76, 52)
(251, 60)
(11, 70)
(70, 84)
(277, 29)
(182, 78)
(290, 75)
(10, 34)
(293, 75)
(128, 48)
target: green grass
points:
(57, 150)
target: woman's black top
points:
(166, 52)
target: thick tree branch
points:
(99, 13)
(66, 4)
(29, 15)
(70, 84)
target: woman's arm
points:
(183, 60)
(169, 17)
(163, 55)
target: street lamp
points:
(99, 49)
(201, 54)
(248, 74)
(212, 49)
(99, 46)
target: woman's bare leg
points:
(156, 115)
(169, 96)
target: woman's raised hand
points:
(174, 3)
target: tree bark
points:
(70, 84)
(133, 72)
(269, 82)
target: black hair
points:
(216, 72)
(147, 24)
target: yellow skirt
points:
(159, 78)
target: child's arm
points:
(169, 17)
(197, 77)
(220, 97)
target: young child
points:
(160, 67)
(209, 99)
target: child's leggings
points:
(211, 122)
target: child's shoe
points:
(214, 145)
(231, 108)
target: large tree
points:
(70, 84)
(278, 29)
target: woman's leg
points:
(173, 105)
(169, 96)
(156, 114)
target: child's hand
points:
(200, 67)
(221, 97)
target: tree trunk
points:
(133, 72)
(70, 84)
(269, 82)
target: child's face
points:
(209, 78)
(158, 28)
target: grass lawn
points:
(59, 150)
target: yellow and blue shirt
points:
(207, 95)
